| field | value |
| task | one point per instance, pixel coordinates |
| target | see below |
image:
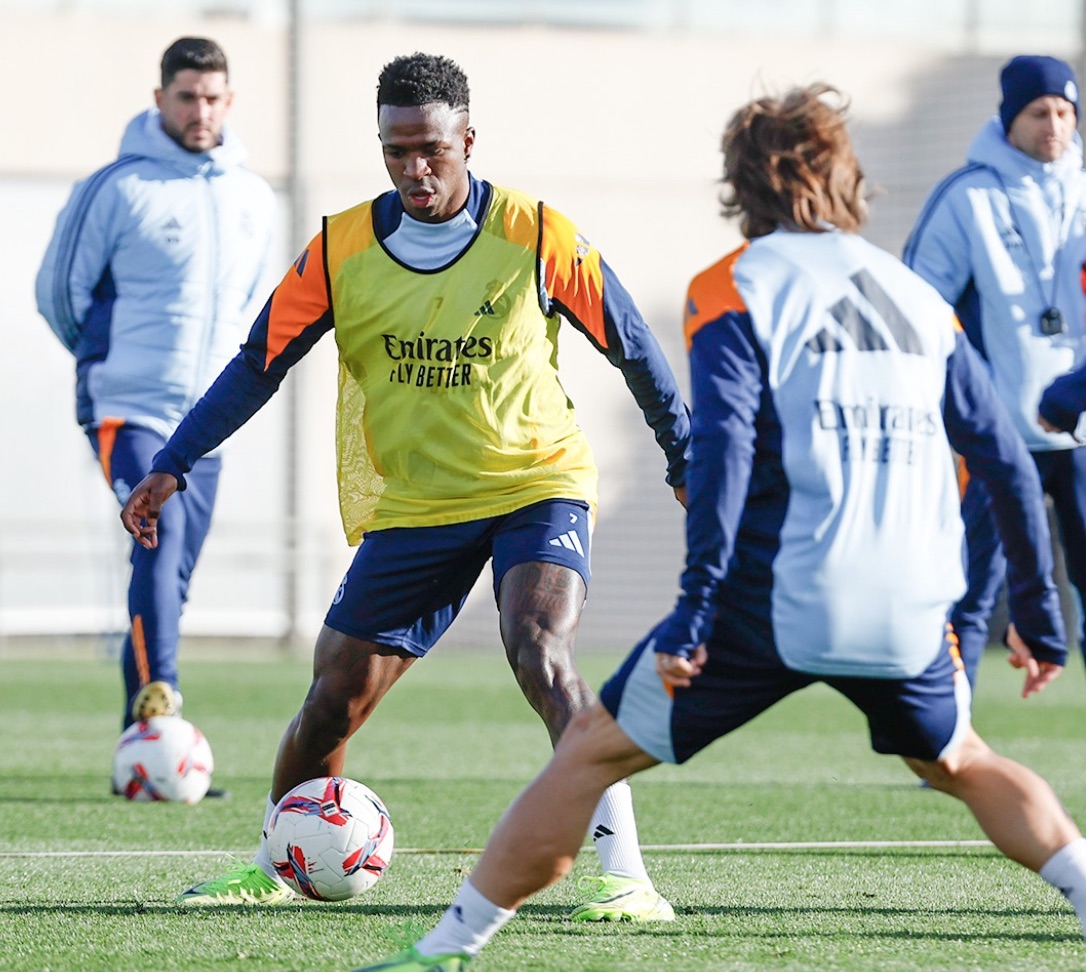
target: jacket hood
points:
(144, 137)
(992, 149)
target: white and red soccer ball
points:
(330, 838)
(164, 758)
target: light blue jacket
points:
(1004, 238)
(151, 272)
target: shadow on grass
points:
(734, 922)
(96, 787)
(301, 908)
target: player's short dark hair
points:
(789, 162)
(195, 53)
(422, 79)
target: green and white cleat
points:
(410, 960)
(245, 884)
(612, 898)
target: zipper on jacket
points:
(200, 378)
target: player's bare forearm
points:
(140, 514)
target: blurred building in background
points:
(609, 110)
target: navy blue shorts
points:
(406, 585)
(922, 717)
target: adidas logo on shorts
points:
(568, 540)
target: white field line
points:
(738, 846)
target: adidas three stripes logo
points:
(568, 540)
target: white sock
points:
(467, 925)
(262, 857)
(1066, 872)
(614, 832)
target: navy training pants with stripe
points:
(1063, 476)
(159, 584)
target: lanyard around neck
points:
(1051, 321)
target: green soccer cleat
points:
(245, 884)
(410, 960)
(614, 898)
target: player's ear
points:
(469, 141)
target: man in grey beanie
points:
(1004, 239)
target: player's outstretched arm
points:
(140, 513)
(1038, 673)
(981, 431)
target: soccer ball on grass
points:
(330, 838)
(164, 758)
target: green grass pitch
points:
(88, 879)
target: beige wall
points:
(621, 127)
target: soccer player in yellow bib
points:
(456, 444)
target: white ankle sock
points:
(467, 925)
(614, 832)
(1066, 872)
(262, 857)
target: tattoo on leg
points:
(546, 590)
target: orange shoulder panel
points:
(353, 233)
(711, 295)
(572, 274)
(300, 299)
(520, 221)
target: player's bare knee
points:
(931, 772)
(969, 753)
(543, 664)
(956, 766)
(584, 730)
